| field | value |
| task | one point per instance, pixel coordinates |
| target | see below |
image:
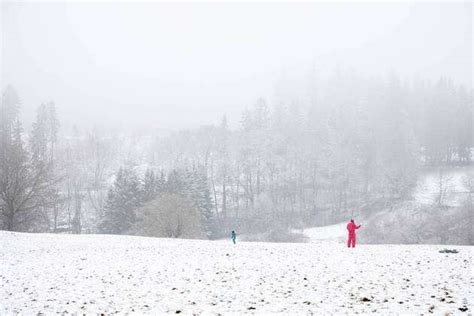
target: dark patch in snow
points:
(449, 251)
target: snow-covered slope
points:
(94, 273)
(450, 183)
(332, 233)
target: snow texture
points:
(44, 273)
(332, 233)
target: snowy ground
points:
(93, 273)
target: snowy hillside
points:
(95, 273)
(452, 183)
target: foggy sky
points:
(175, 65)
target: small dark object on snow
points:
(463, 309)
(251, 307)
(233, 237)
(448, 251)
(365, 299)
(178, 312)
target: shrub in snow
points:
(170, 215)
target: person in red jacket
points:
(351, 227)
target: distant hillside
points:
(441, 212)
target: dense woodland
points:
(348, 146)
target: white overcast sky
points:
(175, 65)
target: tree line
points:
(48, 185)
(345, 145)
(176, 205)
(351, 147)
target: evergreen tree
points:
(200, 194)
(161, 182)
(123, 199)
(175, 182)
(43, 143)
(44, 133)
(149, 186)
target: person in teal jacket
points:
(234, 237)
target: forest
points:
(348, 146)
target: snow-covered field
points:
(94, 273)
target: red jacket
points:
(351, 227)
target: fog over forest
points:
(164, 65)
(190, 120)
